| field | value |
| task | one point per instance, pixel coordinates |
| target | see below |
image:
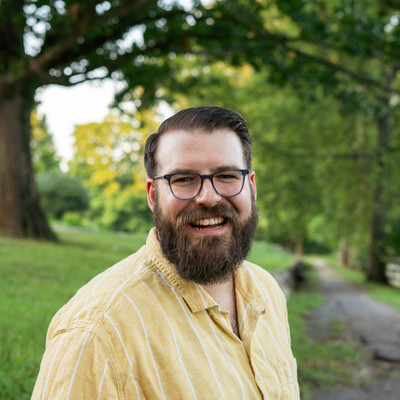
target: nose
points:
(207, 196)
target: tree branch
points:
(68, 50)
(275, 40)
(110, 65)
(339, 68)
(392, 3)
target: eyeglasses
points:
(187, 185)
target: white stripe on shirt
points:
(51, 364)
(244, 316)
(195, 331)
(124, 283)
(221, 345)
(147, 341)
(280, 352)
(284, 333)
(270, 367)
(175, 341)
(126, 353)
(102, 379)
(87, 297)
(77, 363)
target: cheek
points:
(243, 204)
(169, 205)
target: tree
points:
(67, 42)
(305, 174)
(351, 50)
(61, 193)
(44, 154)
(61, 42)
(356, 57)
(345, 48)
(109, 157)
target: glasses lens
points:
(185, 186)
(228, 183)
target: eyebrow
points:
(185, 170)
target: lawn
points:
(37, 278)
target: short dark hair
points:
(205, 118)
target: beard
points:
(206, 259)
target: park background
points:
(317, 82)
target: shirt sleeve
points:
(286, 319)
(76, 366)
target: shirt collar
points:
(247, 284)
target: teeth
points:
(209, 221)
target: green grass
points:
(270, 257)
(37, 278)
(379, 292)
(321, 365)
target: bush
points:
(61, 193)
(128, 211)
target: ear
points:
(253, 186)
(151, 192)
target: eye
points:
(228, 176)
(183, 179)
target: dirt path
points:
(375, 325)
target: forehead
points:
(199, 151)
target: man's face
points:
(208, 236)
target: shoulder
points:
(93, 300)
(263, 281)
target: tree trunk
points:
(298, 249)
(20, 212)
(376, 257)
(344, 254)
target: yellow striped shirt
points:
(139, 331)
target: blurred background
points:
(83, 84)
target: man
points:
(185, 317)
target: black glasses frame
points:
(168, 177)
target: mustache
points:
(186, 217)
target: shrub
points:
(61, 193)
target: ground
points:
(373, 326)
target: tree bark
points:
(344, 253)
(298, 248)
(20, 212)
(376, 257)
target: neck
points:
(219, 291)
(224, 295)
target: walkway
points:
(376, 324)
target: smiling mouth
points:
(208, 223)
